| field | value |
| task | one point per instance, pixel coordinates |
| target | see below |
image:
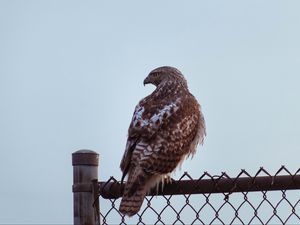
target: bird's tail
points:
(135, 191)
(130, 205)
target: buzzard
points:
(166, 128)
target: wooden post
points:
(85, 173)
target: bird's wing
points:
(147, 120)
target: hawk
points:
(166, 128)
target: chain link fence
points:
(261, 198)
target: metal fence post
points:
(85, 170)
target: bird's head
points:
(162, 74)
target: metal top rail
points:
(112, 189)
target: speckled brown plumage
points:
(166, 127)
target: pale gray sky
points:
(71, 73)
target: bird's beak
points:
(146, 81)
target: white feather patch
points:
(160, 115)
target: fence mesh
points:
(258, 199)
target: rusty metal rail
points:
(113, 189)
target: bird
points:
(165, 129)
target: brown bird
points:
(166, 128)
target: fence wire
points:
(258, 199)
